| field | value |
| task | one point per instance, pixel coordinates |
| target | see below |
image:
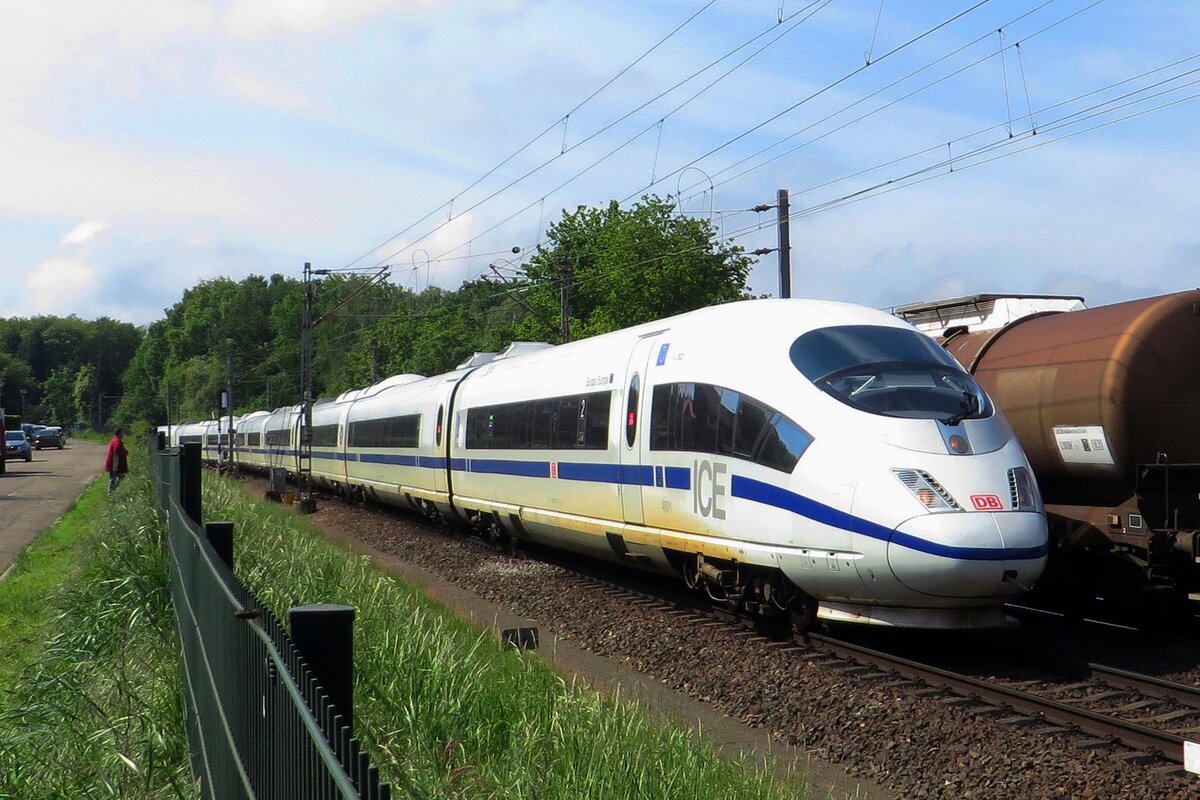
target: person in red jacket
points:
(116, 462)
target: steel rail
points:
(1131, 734)
(1135, 736)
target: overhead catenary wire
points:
(982, 38)
(1042, 141)
(929, 173)
(679, 170)
(808, 98)
(562, 120)
(957, 161)
(816, 6)
(984, 154)
(964, 161)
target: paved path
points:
(34, 494)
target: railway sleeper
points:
(1021, 721)
(1171, 716)
(1138, 756)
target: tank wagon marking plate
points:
(1084, 444)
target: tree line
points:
(64, 370)
(620, 267)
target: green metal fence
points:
(260, 723)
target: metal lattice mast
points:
(304, 445)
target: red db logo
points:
(986, 502)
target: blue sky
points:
(146, 145)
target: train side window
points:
(581, 423)
(560, 423)
(631, 410)
(437, 432)
(704, 417)
(542, 424)
(324, 435)
(726, 415)
(783, 444)
(660, 416)
(752, 420)
(501, 427)
(567, 430)
(684, 418)
(596, 436)
(402, 431)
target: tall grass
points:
(99, 711)
(446, 712)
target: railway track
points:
(1057, 745)
(1155, 722)
(1101, 702)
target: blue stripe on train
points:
(681, 478)
(765, 493)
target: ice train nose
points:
(969, 554)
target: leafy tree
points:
(625, 267)
(57, 403)
(83, 392)
(629, 266)
(49, 344)
(16, 375)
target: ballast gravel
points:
(917, 744)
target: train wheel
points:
(802, 612)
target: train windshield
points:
(889, 371)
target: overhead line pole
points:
(229, 401)
(564, 301)
(785, 243)
(308, 503)
(784, 246)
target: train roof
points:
(982, 312)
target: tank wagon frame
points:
(1106, 404)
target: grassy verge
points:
(92, 704)
(446, 712)
(38, 576)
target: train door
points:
(630, 433)
(441, 475)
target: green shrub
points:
(99, 712)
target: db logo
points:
(986, 502)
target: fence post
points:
(324, 635)
(220, 536)
(160, 441)
(189, 481)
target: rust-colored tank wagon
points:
(1106, 404)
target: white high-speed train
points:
(798, 457)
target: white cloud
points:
(252, 19)
(263, 92)
(90, 39)
(54, 285)
(84, 232)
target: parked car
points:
(16, 445)
(48, 436)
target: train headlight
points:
(1023, 490)
(927, 490)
